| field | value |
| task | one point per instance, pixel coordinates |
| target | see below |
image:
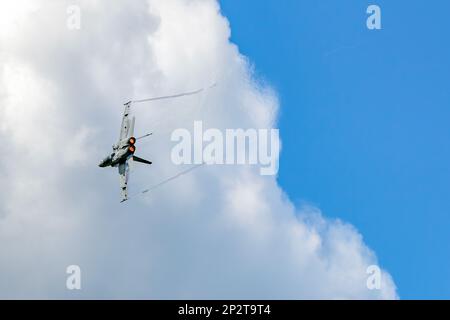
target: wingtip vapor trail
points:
(178, 95)
(179, 174)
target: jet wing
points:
(123, 174)
(127, 127)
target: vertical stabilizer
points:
(131, 130)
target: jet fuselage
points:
(122, 151)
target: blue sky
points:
(364, 121)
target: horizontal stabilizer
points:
(137, 159)
(144, 136)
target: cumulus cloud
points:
(219, 232)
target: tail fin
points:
(137, 159)
(131, 130)
(144, 136)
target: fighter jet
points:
(123, 151)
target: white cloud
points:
(220, 232)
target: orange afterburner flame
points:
(132, 140)
(132, 149)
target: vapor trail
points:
(167, 180)
(173, 96)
